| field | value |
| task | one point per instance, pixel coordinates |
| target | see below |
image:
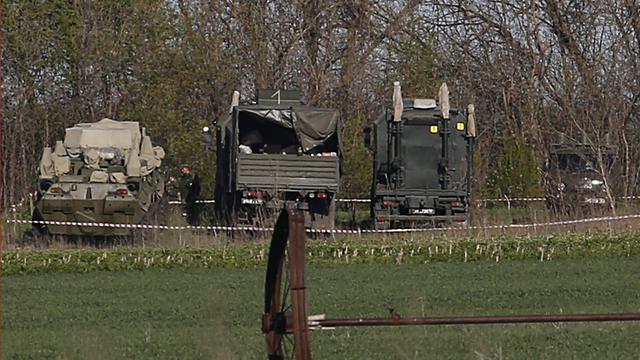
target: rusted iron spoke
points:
(285, 349)
(453, 320)
(286, 304)
(290, 352)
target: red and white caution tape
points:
(212, 201)
(362, 200)
(366, 201)
(325, 231)
(203, 201)
(354, 200)
(138, 226)
(511, 199)
(485, 227)
(479, 200)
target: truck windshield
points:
(575, 162)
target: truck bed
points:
(279, 172)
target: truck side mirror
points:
(366, 137)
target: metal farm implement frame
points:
(287, 326)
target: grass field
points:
(214, 313)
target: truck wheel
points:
(323, 216)
(382, 225)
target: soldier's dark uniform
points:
(189, 189)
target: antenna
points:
(235, 100)
(471, 120)
(443, 94)
(398, 107)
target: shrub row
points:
(347, 251)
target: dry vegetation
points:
(532, 68)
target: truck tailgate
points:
(281, 172)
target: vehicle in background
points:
(274, 153)
(576, 184)
(422, 154)
(103, 172)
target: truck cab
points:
(576, 183)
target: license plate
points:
(595, 201)
(423, 211)
(252, 201)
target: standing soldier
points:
(189, 189)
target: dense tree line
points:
(534, 69)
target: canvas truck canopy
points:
(310, 127)
(98, 138)
(112, 141)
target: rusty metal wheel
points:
(285, 312)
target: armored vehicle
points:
(576, 184)
(103, 172)
(421, 161)
(274, 153)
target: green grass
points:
(215, 313)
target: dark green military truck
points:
(274, 153)
(421, 162)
